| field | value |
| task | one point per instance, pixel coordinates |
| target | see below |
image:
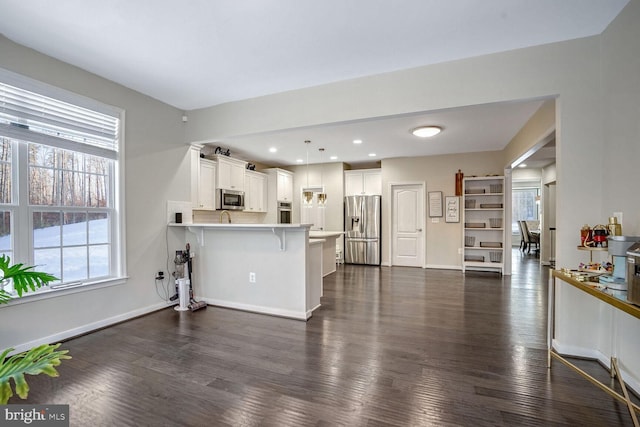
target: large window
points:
(60, 195)
(524, 206)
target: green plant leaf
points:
(38, 360)
(24, 278)
(5, 296)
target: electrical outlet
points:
(459, 251)
(252, 277)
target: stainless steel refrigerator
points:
(362, 230)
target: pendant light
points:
(322, 196)
(307, 195)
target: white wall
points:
(620, 153)
(332, 180)
(568, 70)
(519, 176)
(438, 173)
(153, 142)
(596, 81)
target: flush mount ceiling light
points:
(357, 141)
(273, 150)
(426, 131)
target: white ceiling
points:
(199, 53)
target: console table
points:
(619, 304)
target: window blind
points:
(30, 116)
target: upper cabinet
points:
(255, 191)
(203, 178)
(279, 190)
(230, 173)
(363, 181)
(281, 181)
(207, 185)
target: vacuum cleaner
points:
(184, 287)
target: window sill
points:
(67, 290)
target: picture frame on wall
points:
(452, 209)
(435, 204)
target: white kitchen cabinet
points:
(207, 185)
(363, 181)
(255, 191)
(280, 185)
(483, 224)
(203, 182)
(194, 158)
(279, 190)
(230, 174)
(203, 176)
(284, 190)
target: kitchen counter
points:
(265, 268)
(328, 248)
(278, 230)
(238, 225)
(321, 234)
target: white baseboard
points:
(90, 327)
(587, 353)
(576, 351)
(297, 315)
(310, 312)
(443, 267)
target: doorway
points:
(407, 225)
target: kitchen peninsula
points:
(265, 268)
(328, 249)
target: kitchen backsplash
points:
(213, 217)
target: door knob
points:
(419, 229)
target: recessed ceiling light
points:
(372, 154)
(273, 150)
(299, 160)
(426, 131)
(357, 141)
(522, 165)
(333, 157)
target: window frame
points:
(521, 188)
(21, 211)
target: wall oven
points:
(284, 213)
(230, 200)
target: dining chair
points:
(523, 238)
(532, 239)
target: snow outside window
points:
(60, 192)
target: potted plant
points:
(39, 360)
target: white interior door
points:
(407, 227)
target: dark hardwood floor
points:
(389, 347)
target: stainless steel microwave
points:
(231, 200)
